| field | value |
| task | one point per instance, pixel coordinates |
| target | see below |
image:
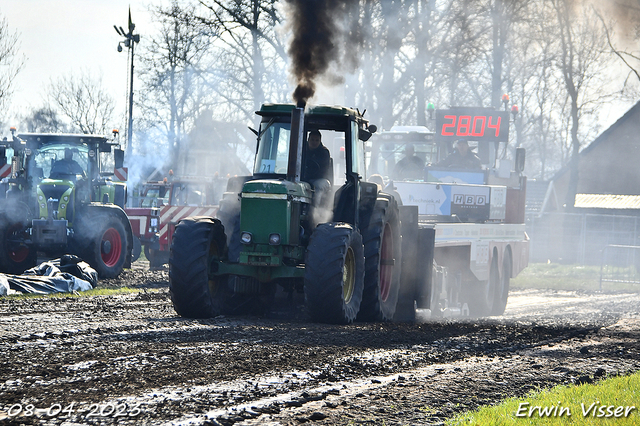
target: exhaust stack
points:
(294, 169)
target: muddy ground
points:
(128, 359)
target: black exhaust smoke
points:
(318, 34)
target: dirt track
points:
(128, 359)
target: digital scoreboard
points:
(472, 124)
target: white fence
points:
(620, 264)
(579, 238)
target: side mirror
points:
(364, 135)
(373, 128)
(520, 157)
(118, 158)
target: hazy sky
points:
(60, 37)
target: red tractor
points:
(161, 206)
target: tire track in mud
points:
(132, 349)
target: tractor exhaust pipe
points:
(294, 169)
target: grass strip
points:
(614, 401)
(556, 276)
(94, 292)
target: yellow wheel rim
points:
(349, 276)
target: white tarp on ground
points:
(65, 275)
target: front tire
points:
(15, 255)
(383, 259)
(334, 273)
(195, 293)
(108, 250)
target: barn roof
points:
(608, 201)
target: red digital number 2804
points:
(467, 125)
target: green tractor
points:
(275, 232)
(61, 199)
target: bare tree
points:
(582, 60)
(11, 62)
(44, 120)
(174, 91)
(84, 102)
(628, 18)
(534, 85)
(252, 64)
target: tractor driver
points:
(67, 167)
(317, 165)
(462, 157)
(410, 167)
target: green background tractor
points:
(274, 233)
(62, 199)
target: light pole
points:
(130, 40)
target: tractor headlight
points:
(246, 238)
(42, 206)
(274, 239)
(65, 198)
(40, 197)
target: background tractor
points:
(62, 198)
(161, 206)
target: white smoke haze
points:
(147, 154)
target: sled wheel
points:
(195, 293)
(334, 273)
(485, 296)
(383, 252)
(502, 292)
(16, 256)
(107, 251)
(156, 258)
(137, 249)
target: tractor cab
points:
(67, 170)
(154, 194)
(284, 154)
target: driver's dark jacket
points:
(469, 161)
(63, 168)
(317, 163)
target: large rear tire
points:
(195, 293)
(16, 256)
(334, 273)
(108, 250)
(383, 253)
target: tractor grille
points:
(55, 192)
